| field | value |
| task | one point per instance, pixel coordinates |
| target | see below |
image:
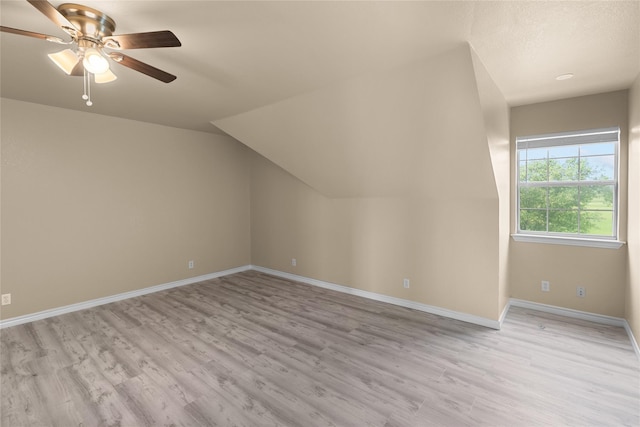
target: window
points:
(568, 186)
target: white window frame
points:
(589, 136)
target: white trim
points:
(568, 312)
(505, 310)
(634, 343)
(570, 241)
(469, 318)
(118, 297)
(588, 136)
(582, 315)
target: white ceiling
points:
(237, 56)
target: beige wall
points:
(388, 176)
(632, 293)
(601, 271)
(93, 206)
(373, 243)
(496, 123)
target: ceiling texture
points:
(238, 56)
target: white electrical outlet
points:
(581, 291)
(405, 283)
(6, 299)
(293, 262)
(545, 286)
(191, 264)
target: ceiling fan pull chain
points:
(86, 78)
(89, 103)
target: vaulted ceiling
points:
(240, 56)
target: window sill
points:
(569, 241)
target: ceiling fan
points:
(92, 42)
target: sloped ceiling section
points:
(495, 113)
(496, 123)
(415, 131)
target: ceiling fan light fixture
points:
(91, 31)
(65, 59)
(105, 77)
(94, 62)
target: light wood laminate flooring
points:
(256, 350)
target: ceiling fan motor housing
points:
(92, 24)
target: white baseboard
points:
(469, 318)
(505, 310)
(113, 298)
(577, 314)
(634, 343)
(568, 312)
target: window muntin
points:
(567, 184)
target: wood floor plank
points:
(152, 405)
(357, 382)
(24, 405)
(262, 401)
(94, 399)
(218, 410)
(252, 350)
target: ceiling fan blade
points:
(141, 67)
(31, 34)
(52, 13)
(142, 40)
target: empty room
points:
(320, 213)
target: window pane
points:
(598, 149)
(522, 171)
(563, 221)
(563, 151)
(536, 170)
(536, 153)
(533, 220)
(597, 168)
(563, 169)
(596, 197)
(597, 223)
(533, 197)
(565, 198)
